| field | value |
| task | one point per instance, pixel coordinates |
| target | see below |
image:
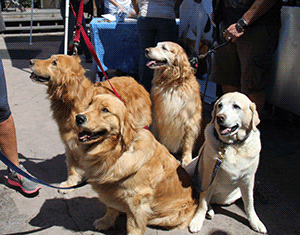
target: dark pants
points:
(151, 31)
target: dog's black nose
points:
(31, 62)
(147, 50)
(221, 118)
(80, 119)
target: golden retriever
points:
(131, 171)
(232, 135)
(175, 94)
(70, 92)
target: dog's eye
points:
(235, 106)
(54, 62)
(164, 47)
(220, 105)
(104, 110)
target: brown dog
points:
(71, 92)
(131, 171)
(175, 94)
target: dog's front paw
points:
(257, 226)
(103, 224)
(197, 222)
(65, 184)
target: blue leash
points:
(215, 170)
(13, 167)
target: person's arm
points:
(258, 8)
(135, 6)
(117, 5)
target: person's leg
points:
(72, 22)
(86, 51)
(147, 35)
(167, 30)
(256, 49)
(8, 140)
(226, 68)
(228, 88)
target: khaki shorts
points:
(246, 63)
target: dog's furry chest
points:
(172, 111)
(238, 166)
(170, 106)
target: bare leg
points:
(8, 140)
(259, 99)
(228, 88)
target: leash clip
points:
(75, 48)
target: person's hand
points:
(231, 33)
(132, 14)
(123, 9)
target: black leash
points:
(13, 167)
(195, 60)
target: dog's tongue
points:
(83, 137)
(225, 131)
(150, 63)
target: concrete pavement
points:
(42, 153)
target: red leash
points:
(79, 29)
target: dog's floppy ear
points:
(255, 119)
(213, 113)
(77, 58)
(127, 128)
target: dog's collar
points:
(235, 142)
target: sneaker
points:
(26, 185)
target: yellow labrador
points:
(233, 137)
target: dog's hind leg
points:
(108, 220)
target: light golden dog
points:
(175, 94)
(232, 136)
(131, 171)
(70, 92)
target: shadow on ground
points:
(51, 171)
(75, 214)
(20, 51)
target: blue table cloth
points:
(116, 44)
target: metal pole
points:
(66, 26)
(31, 23)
